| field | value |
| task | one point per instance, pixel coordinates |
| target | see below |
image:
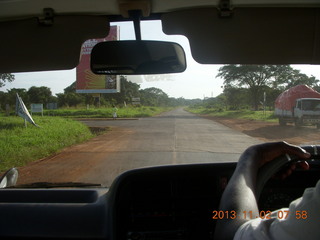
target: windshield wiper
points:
(56, 185)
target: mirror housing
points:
(137, 58)
(9, 178)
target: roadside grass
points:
(267, 116)
(128, 112)
(20, 145)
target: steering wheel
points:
(270, 168)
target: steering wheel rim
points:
(270, 168)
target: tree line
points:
(69, 98)
(251, 86)
(244, 86)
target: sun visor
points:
(249, 35)
(30, 45)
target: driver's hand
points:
(266, 152)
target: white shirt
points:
(302, 222)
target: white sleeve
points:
(303, 221)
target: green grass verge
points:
(20, 145)
(129, 112)
(240, 114)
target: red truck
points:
(299, 105)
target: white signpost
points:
(37, 107)
(135, 100)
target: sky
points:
(198, 81)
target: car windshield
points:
(88, 128)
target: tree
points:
(254, 77)
(4, 77)
(236, 98)
(39, 94)
(175, 102)
(3, 100)
(128, 91)
(12, 96)
(287, 77)
(69, 99)
(301, 78)
(86, 98)
(154, 97)
(71, 88)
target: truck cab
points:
(307, 112)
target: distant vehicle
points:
(299, 105)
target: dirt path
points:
(267, 131)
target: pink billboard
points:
(87, 81)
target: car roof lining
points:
(15, 9)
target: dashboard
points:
(165, 202)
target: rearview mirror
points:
(137, 57)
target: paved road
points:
(176, 137)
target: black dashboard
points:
(166, 202)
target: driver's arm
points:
(239, 195)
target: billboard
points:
(87, 81)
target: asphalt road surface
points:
(175, 137)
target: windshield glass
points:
(90, 129)
(311, 105)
